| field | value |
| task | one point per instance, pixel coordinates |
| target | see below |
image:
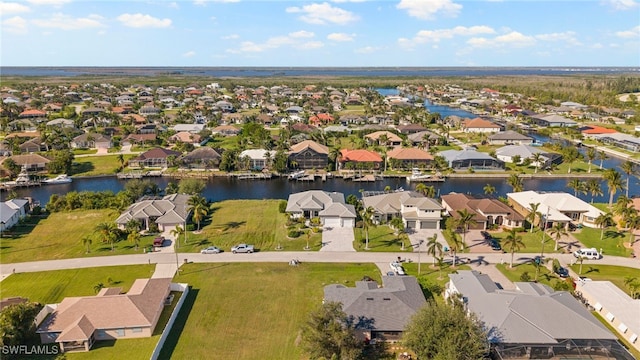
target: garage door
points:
(332, 222)
(411, 224)
(428, 225)
(348, 223)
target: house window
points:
(120, 332)
(136, 330)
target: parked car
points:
(562, 272)
(589, 254)
(158, 241)
(495, 245)
(211, 250)
(242, 248)
(397, 268)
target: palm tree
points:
(198, 207)
(569, 156)
(622, 206)
(121, 160)
(629, 168)
(602, 156)
(604, 220)
(614, 183)
(456, 244)
(591, 154)
(135, 238)
(428, 191)
(580, 260)
(434, 248)
(632, 222)
(533, 215)
(557, 232)
(465, 219)
(515, 182)
(512, 243)
(537, 159)
(593, 187)
(334, 155)
(489, 189)
(172, 188)
(86, 241)
(176, 232)
(367, 222)
(577, 185)
(106, 230)
(97, 287)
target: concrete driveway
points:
(337, 239)
(423, 234)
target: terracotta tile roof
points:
(409, 154)
(391, 137)
(32, 113)
(359, 156)
(593, 129)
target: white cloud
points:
(143, 21)
(310, 45)
(204, 2)
(67, 22)
(427, 9)
(174, 5)
(629, 34)
(189, 54)
(324, 13)
(622, 4)
(434, 36)
(346, 1)
(302, 34)
(512, 39)
(231, 37)
(340, 37)
(568, 37)
(15, 25)
(367, 50)
(49, 2)
(7, 8)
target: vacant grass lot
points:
(256, 222)
(533, 242)
(615, 274)
(545, 276)
(381, 239)
(42, 238)
(97, 165)
(252, 311)
(613, 242)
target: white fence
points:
(184, 288)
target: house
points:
(62, 123)
(552, 120)
(226, 130)
(415, 210)
(139, 139)
(330, 207)
(91, 141)
(31, 146)
(191, 128)
(201, 158)
(408, 158)
(509, 137)
(384, 138)
(156, 157)
(486, 212)
(556, 207)
(149, 111)
(11, 211)
(31, 162)
(309, 154)
(424, 137)
(619, 309)
(78, 322)
(381, 313)
(166, 212)
(595, 130)
(185, 137)
(258, 159)
(625, 141)
(533, 321)
(510, 152)
(411, 129)
(32, 114)
(479, 125)
(359, 159)
(471, 159)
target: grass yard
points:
(615, 274)
(41, 239)
(252, 311)
(263, 226)
(545, 275)
(431, 279)
(532, 242)
(381, 239)
(84, 151)
(97, 165)
(613, 242)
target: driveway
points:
(423, 234)
(337, 239)
(476, 242)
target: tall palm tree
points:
(629, 168)
(591, 154)
(428, 191)
(604, 220)
(533, 214)
(465, 219)
(557, 232)
(456, 244)
(489, 189)
(602, 156)
(537, 159)
(512, 243)
(106, 230)
(367, 222)
(515, 182)
(569, 156)
(434, 248)
(614, 183)
(593, 187)
(86, 241)
(632, 222)
(622, 206)
(134, 237)
(334, 155)
(199, 208)
(577, 185)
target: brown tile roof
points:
(479, 123)
(359, 156)
(141, 137)
(485, 205)
(409, 154)
(390, 136)
(319, 148)
(157, 153)
(29, 159)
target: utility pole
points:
(419, 243)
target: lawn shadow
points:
(592, 269)
(613, 234)
(231, 225)
(217, 266)
(81, 167)
(178, 326)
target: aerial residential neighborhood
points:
(155, 218)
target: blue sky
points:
(320, 33)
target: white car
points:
(589, 254)
(211, 250)
(396, 267)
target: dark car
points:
(486, 235)
(562, 272)
(495, 245)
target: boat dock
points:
(254, 176)
(426, 179)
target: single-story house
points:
(466, 159)
(486, 211)
(191, 128)
(167, 212)
(139, 139)
(258, 158)
(382, 313)
(226, 130)
(552, 120)
(625, 141)
(415, 210)
(309, 154)
(77, 322)
(31, 145)
(407, 158)
(479, 125)
(11, 211)
(156, 157)
(509, 137)
(556, 207)
(533, 321)
(186, 137)
(424, 137)
(411, 128)
(201, 158)
(620, 310)
(359, 159)
(31, 162)
(330, 207)
(510, 152)
(91, 140)
(62, 123)
(385, 138)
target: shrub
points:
(191, 227)
(282, 206)
(555, 265)
(525, 277)
(294, 233)
(519, 229)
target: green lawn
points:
(97, 165)
(545, 276)
(432, 279)
(263, 226)
(613, 242)
(532, 242)
(84, 151)
(381, 239)
(252, 311)
(615, 274)
(41, 238)
(632, 350)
